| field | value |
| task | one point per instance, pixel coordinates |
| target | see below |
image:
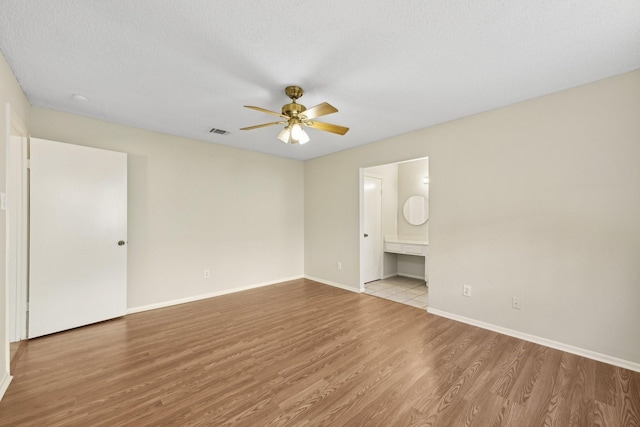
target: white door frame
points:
(16, 226)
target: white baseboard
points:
(209, 295)
(626, 364)
(334, 284)
(4, 383)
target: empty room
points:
(320, 213)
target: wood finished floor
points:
(306, 354)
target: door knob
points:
(366, 235)
(121, 242)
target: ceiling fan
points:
(295, 115)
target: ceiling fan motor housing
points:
(293, 109)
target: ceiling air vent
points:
(219, 131)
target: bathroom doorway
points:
(395, 266)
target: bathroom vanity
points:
(393, 244)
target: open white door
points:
(78, 234)
(372, 229)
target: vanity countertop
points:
(399, 239)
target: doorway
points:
(76, 197)
(398, 270)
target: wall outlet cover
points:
(466, 290)
(516, 303)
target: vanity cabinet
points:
(409, 247)
(417, 249)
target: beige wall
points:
(10, 92)
(538, 200)
(410, 183)
(194, 206)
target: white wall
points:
(10, 92)
(538, 200)
(194, 206)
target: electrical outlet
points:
(339, 266)
(207, 274)
(516, 303)
(466, 290)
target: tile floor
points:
(405, 290)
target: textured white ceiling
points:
(390, 67)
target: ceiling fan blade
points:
(327, 127)
(264, 110)
(263, 125)
(319, 110)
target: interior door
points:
(372, 229)
(78, 234)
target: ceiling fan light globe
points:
(295, 131)
(284, 135)
(298, 135)
(304, 138)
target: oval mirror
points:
(416, 210)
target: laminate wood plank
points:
(451, 401)
(360, 392)
(605, 377)
(528, 378)
(484, 406)
(383, 409)
(626, 397)
(301, 353)
(511, 368)
(505, 416)
(540, 388)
